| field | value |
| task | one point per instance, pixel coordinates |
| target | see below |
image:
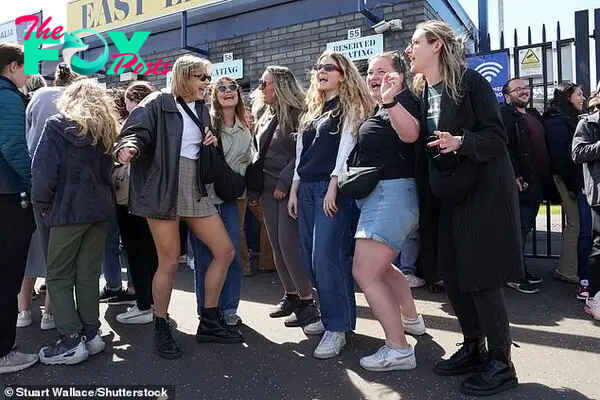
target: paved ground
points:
(558, 356)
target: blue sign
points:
(494, 67)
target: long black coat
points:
(486, 234)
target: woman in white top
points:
(162, 142)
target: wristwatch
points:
(390, 105)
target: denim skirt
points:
(390, 214)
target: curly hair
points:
(118, 97)
(355, 105)
(216, 111)
(90, 106)
(64, 76)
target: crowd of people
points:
(349, 179)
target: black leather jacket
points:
(155, 129)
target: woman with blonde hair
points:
(467, 168)
(389, 214)
(72, 190)
(227, 115)
(279, 102)
(337, 102)
(162, 139)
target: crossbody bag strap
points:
(193, 116)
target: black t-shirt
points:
(378, 143)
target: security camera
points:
(384, 26)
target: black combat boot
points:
(497, 376)
(212, 328)
(471, 357)
(164, 344)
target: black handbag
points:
(359, 182)
(213, 168)
(255, 175)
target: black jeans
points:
(16, 228)
(141, 254)
(479, 313)
(528, 213)
(593, 268)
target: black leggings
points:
(141, 254)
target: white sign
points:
(227, 57)
(128, 76)
(358, 49)
(234, 69)
(354, 33)
(530, 62)
(169, 79)
(8, 32)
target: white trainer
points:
(388, 359)
(95, 345)
(134, 315)
(16, 361)
(414, 281)
(415, 328)
(316, 328)
(47, 322)
(24, 319)
(592, 306)
(331, 345)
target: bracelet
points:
(390, 105)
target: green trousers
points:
(75, 254)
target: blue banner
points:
(494, 67)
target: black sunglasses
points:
(262, 84)
(224, 88)
(327, 67)
(203, 77)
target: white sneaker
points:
(388, 359)
(134, 315)
(316, 328)
(47, 322)
(592, 306)
(414, 281)
(95, 345)
(16, 361)
(24, 319)
(331, 345)
(415, 328)
(65, 353)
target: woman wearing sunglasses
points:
(389, 215)
(478, 250)
(336, 104)
(279, 103)
(162, 139)
(227, 115)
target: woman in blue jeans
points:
(390, 213)
(336, 103)
(228, 121)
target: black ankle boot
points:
(286, 306)
(212, 328)
(306, 313)
(164, 344)
(497, 376)
(471, 357)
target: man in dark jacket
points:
(530, 161)
(16, 214)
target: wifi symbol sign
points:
(489, 70)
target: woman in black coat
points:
(467, 166)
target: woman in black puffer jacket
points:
(560, 120)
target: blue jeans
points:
(407, 258)
(584, 241)
(229, 299)
(111, 266)
(326, 244)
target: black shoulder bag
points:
(255, 175)
(212, 167)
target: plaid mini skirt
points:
(189, 201)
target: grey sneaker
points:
(16, 361)
(232, 320)
(67, 350)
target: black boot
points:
(497, 376)
(164, 344)
(305, 314)
(212, 328)
(286, 306)
(471, 357)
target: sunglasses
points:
(327, 67)
(203, 77)
(224, 88)
(263, 84)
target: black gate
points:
(546, 64)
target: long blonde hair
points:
(216, 111)
(452, 57)
(289, 97)
(355, 105)
(86, 103)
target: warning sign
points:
(530, 62)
